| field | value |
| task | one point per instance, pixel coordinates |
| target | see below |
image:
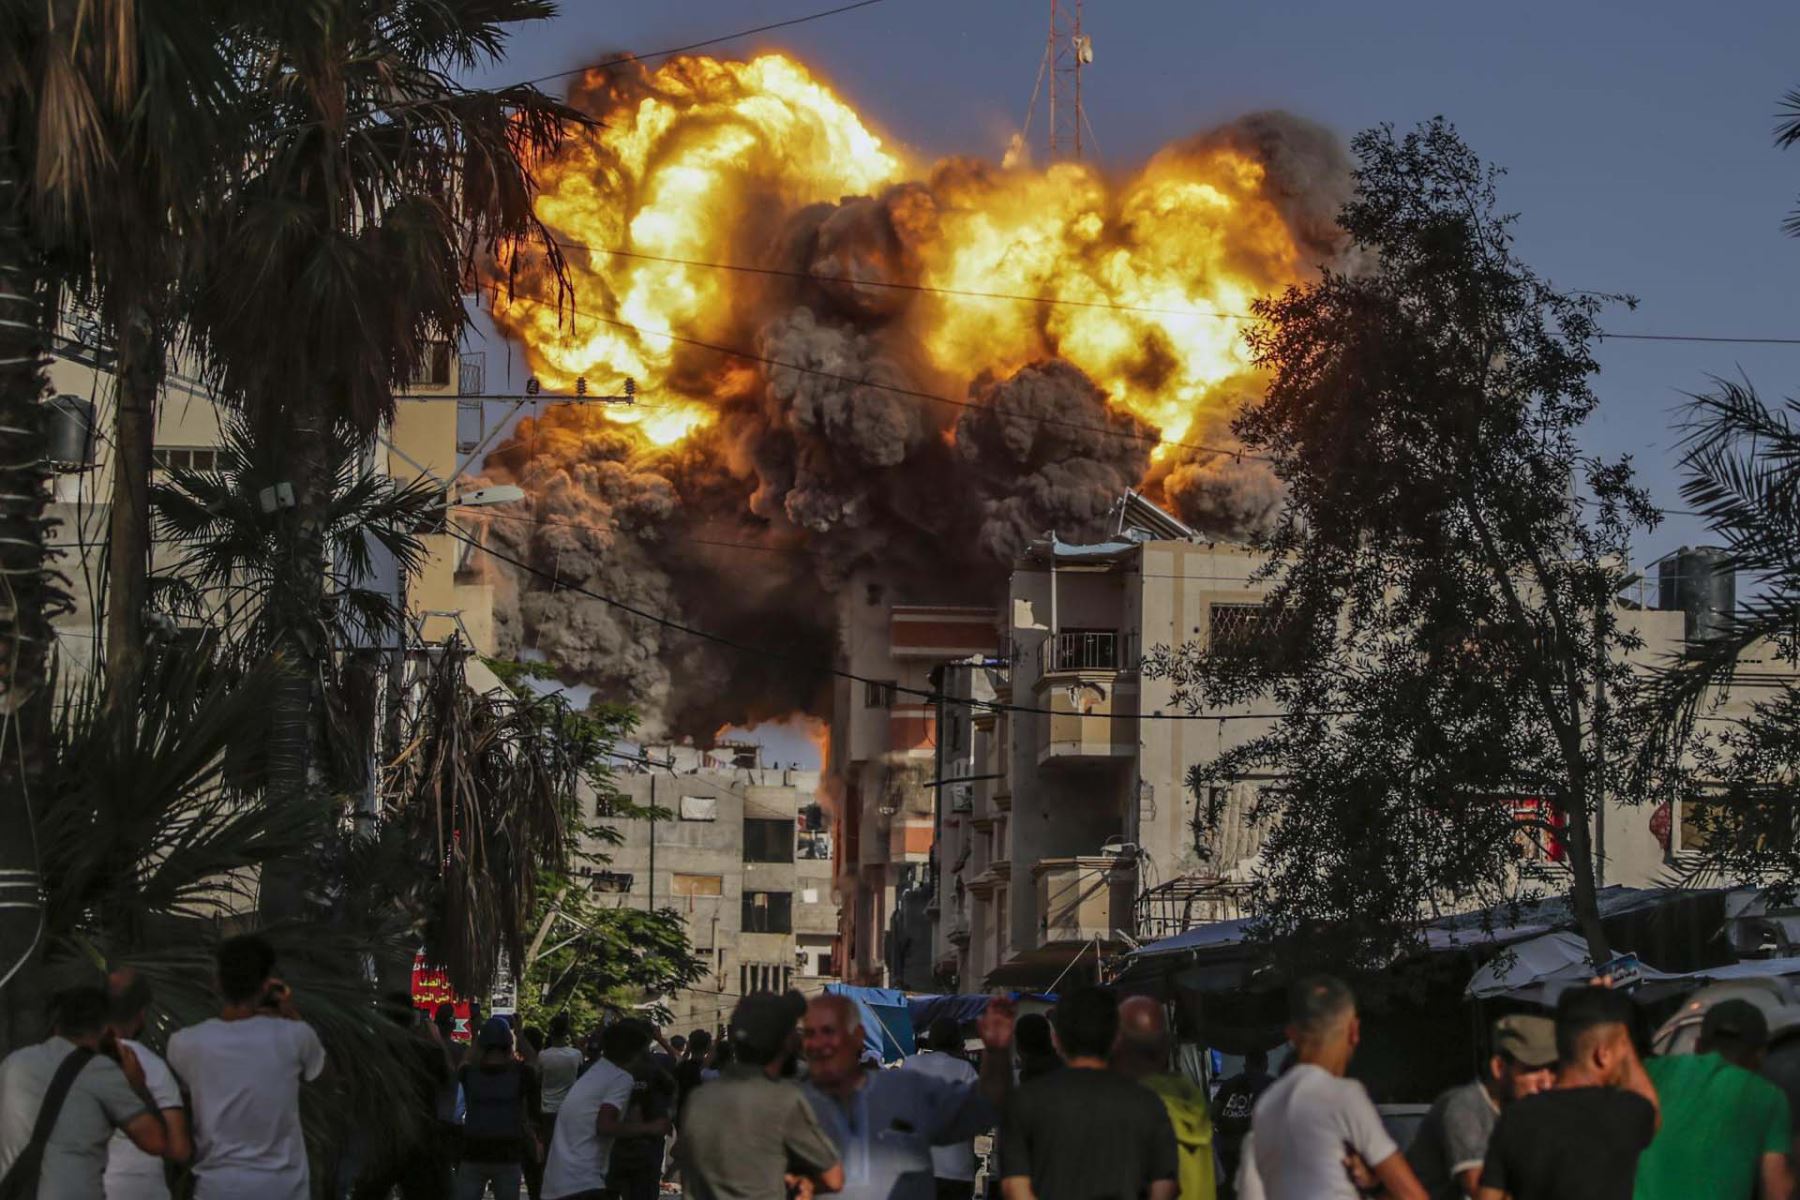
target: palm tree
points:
(374, 182)
(1787, 134)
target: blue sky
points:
(1637, 137)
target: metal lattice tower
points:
(1066, 51)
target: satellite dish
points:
(1084, 48)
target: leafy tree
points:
(1439, 621)
(1737, 783)
(585, 958)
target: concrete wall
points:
(691, 853)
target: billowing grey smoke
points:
(840, 468)
(1048, 456)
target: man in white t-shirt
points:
(952, 1165)
(130, 1173)
(593, 1115)
(243, 1071)
(1311, 1121)
(559, 1066)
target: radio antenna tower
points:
(1066, 51)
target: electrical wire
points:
(1237, 454)
(897, 688)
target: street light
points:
(499, 493)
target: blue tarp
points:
(926, 1008)
(887, 1025)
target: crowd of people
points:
(1081, 1105)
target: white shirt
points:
(1302, 1125)
(957, 1160)
(578, 1154)
(558, 1068)
(130, 1173)
(244, 1080)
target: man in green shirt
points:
(1725, 1130)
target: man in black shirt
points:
(1581, 1139)
(1232, 1108)
(1084, 1132)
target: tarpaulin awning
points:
(887, 1023)
(927, 1007)
(1541, 969)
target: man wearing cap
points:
(747, 1133)
(884, 1123)
(1447, 1152)
(1725, 1129)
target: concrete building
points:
(1074, 837)
(745, 857)
(879, 771)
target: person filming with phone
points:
(243, 1070)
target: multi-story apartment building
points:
(1074, 837)
(879, 773)
(745, 856)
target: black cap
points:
(1736, 1020)
(762, 1023)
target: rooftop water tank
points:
(1700, 583)
(69, 433)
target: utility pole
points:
(650, 904)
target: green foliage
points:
(1739, 784)
(1439, 601)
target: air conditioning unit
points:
(962, 798)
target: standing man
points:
(746, 1134)
(637, 1162)
(1312, 1122)
(1451, 1145)
(1233, 1105)
(95, 1085)
(131, 1174)
(1086, 1132)
(884, 1123)
(593, 1115)
(559, 1066)
(1142, 1053)
(952, 1165)
(243, 1070)
(1036, 1046)
(500, 1099)
(1581, 1139)
(1725, 1129)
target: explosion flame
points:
(858, 365)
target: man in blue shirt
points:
(884, 1123)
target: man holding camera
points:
(243, 1071)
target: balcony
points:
(1082, 900)
(1188, 901)
(1088, 682)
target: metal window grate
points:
(1082, 650)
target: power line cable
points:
(916, 393)
(780, 656)
(700, 45)
(1058, 301)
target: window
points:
(1540, 827)
(612, 881)
(696, 885)
(880, 693)
(469, 425)
(768, 912)
(768, 841)
(433, 367)
(1234, 628)
(699, 808)
(763, 977)
(192, 458)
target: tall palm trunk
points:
(29, 591)
(299, 602)
(138, 342)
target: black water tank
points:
(69, 433)
(1700, 583)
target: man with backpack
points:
(61, 1099)
(501, 1102)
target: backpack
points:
(495, 1102)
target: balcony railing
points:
(1087, 650)
(1180, 904)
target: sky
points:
(1637, 138)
